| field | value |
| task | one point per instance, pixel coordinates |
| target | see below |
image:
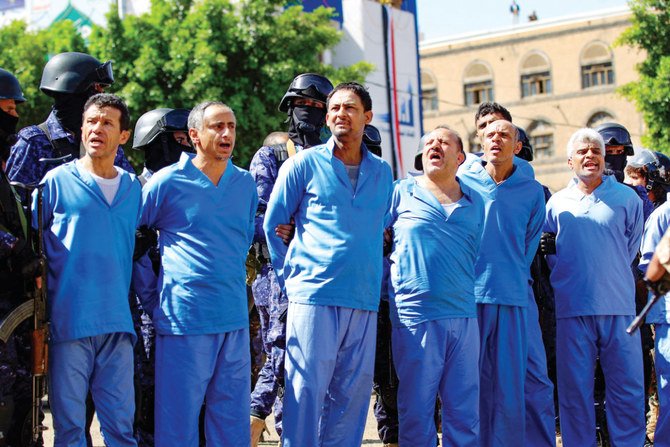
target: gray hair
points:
(585, 135)
(195, 118)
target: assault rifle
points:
(657, 283)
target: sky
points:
(441, 18)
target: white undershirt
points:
(108, 186)
(449, 208)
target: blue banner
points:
(311, 5)
(11, 4)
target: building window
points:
(541, 136)
(477, 83)
(535, 84)
(535, 75)
(429, 100)
(596, 63)
(543, 146)
(478, 92)
(597, 74)
(599, 118)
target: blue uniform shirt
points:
(204, 235)
(656, 226)
(335, 258)
(597, 239)
(89, 246)
(24, 165)
(514, 213)
(433, 259)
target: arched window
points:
(429, 91)
(535, 75)
(599, 118)
(477, 83)
(596, 64)
(541, 135)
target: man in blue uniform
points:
(331, 272)
(305, 105)
(437, 224)
(514, 215)
(91, 209)
(657, 238)
(203, 208)
(596, 218)
(162, 134)
(70, 79)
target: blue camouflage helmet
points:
(10, 87)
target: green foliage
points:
(650, 31)
(24, 53)
(182, 52)
(244, 53)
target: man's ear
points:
(368, 117)
(519, 146)
(124, 136)
(193, 135)
(570, 163)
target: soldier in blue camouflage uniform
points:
(17, 269)
(162, 135)
(70, 79)
(305, 105)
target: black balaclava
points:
(163, 152)
(7, 133)
(305, 124)
(69, 108)
(615, 164)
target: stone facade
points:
(554, 76)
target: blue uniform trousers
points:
(190, 369)
(330, 353)
(502, 362)
(539, 390)
(662, 433)
(438, 358)
(102, 364)
(579, 340)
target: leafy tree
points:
(24, 53)
(244, 53)
(650, 31)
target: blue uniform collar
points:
(340, 170)
(186, 163)
(425, 196)
(57, 130)
(85, 177)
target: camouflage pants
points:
(144, 374)
(272, 306)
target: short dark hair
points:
(101, 100)
(487, 108)
(358, 89)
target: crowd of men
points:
(429, 290)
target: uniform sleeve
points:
(394, 202)
(7, 242)
(284, 201)
(251, 229)
(264, 172)
(535, 225)
(634, 227)
(23, 165)
(150, 206)
(654, 229)
(145, 283)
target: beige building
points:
(554, 76)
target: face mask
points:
(163, 152)
(615, 162)
(8, 122)
(305, 124)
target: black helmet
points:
(158, 121)
(526, 151)
(372, 139)
(10, 87)
(616, 135)
(306, 85)
(74, 73)
(656, 166)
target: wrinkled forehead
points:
(501, 126)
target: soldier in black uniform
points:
(18, 267)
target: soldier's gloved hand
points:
(548, 243)
(145, 238)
